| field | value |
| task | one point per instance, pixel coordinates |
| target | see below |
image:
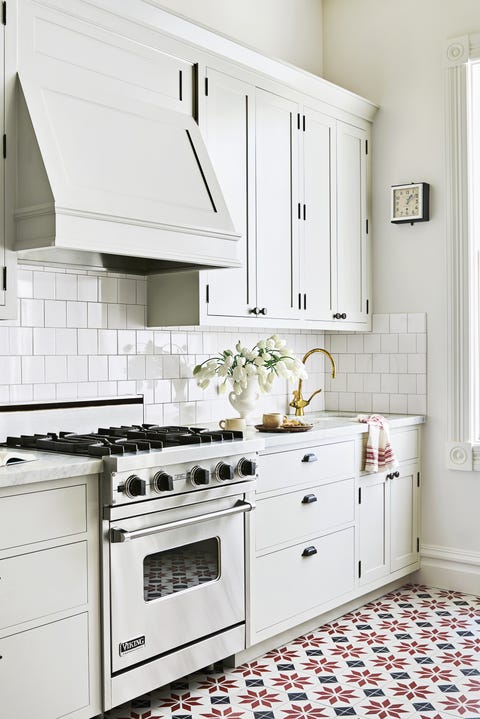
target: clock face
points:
(406, 201)
(410, 203)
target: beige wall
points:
(290, 30)
(395, 58)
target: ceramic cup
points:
(273, 420)
(234, 423)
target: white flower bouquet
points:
(268, 359)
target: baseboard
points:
(449, 569)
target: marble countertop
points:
(326, 425)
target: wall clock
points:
(410, 203)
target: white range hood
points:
(111, 163)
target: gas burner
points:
(130, 439)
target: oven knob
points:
(199, 475)
(246, 467)
(135, 487)
(162, 482)
(224, 471)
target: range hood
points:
(112, 168)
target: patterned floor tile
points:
(412, 654)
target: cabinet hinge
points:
(359, 569)
(206, 86)
(359, 495)
(366, 147)
(4, 279)
(418, 544)
(418, 479)
(4, 13)
(367, 306)
(4, 143)
(207, 293)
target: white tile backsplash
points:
(82, 334)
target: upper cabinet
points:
(295, 175)
(8, 265)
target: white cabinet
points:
(8, 262)
(50, 600)
(389, 516)
(304, 536)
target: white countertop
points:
(327, 425)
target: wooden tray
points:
(299, 428)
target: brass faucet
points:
(298, 401)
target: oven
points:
(177, 575)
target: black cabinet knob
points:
(224, 471)
(263, 311)
(254, 311)
(199, 475)
(162, 482)
(246, 467)
(135, 487)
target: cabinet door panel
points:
(53, 660)
(404, 519)
(318, 230)
(231, 144)
(351, 222)
(374, 550)
(276, 162)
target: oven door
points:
(176, 576)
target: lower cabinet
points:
(326, 533)
(50, 600)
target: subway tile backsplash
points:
(82, 333)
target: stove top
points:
(123, 440)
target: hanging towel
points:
(379, 453)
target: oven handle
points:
(121, 535)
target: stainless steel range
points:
(175, 518)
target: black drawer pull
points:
(309, 551)
(309, 498)
(396, 474)
(310, 457)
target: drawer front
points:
(38, 584)
(288, 584)
(289, 517)
(44, 672)
(406, 444)
(44, 515)
(290, 468)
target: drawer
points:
(40, 516)
(38, 584)
(288, 584)
(289, 517)
(290, 468)
(44, 672)
(405, 444)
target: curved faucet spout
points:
(298, 401)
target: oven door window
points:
(176, 570)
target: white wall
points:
(290, 30)
(393, 55)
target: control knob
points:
(162, 482)
(199, 475)
(224, 471)
(246, 467)
(134, 486)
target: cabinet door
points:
(351, 219)
(404, 534)
(230, 141)
(315, 298)
(374, 537)
(276, 162)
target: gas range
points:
(147, 461)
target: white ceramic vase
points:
(244, 402)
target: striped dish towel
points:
(379, 453)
